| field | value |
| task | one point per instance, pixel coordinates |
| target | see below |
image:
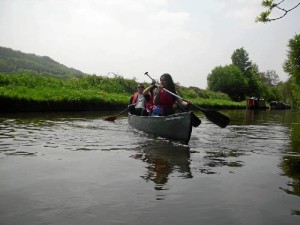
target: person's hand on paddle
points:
(153, 84)
(184, 103)
(159, 88)
(187, 103)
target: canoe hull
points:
(176, 127)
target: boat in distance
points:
(176, 127)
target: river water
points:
(76, 168)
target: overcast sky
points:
(186, 38)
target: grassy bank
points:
(29, 91)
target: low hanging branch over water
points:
(271, 5)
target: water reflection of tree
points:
(291, 163)
(260, 117)
(163, 159)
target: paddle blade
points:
(111, 118)
(216, 117)
(195, 120)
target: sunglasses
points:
(140, 86)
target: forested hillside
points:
(12, 61)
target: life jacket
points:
(166, 102)
(134, 98)
(150, 104)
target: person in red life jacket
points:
(138, 102)
(149, 96)
(164, 102)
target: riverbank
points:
(23, 105)
(31, 92)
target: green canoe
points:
(176, 127)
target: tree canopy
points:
(240, 58)
(228, 79)
(242, 78)
(292, 67)
(292, 64)
(270, 77)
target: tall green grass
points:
(34, 87)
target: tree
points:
(254, 87)
(292, 64)
(271, 5)
(240, 58)
(285, 90)
(270, 77)
(242, 78)
(228, 79)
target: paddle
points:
(213, 116)
(112, 118)
(195, 120)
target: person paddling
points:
(138, 102)
(164, 102)
(149, 96)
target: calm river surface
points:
(76, 168)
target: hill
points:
(12, 61)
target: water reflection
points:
(31, 134)
(221, 158)
(79, 160)
(164, 158)
(291, 164)
(280, 132)
(259, 117)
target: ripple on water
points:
(228, 147)
(20, 153)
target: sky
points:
(186, 38)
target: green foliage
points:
(194, 92)
(254, 87)
(228, 79)
(35, 87)
(243, 79)
(29, 80)
(41, 88)
(270, 77)
(270, 5)
(240, 58)
(271, 93)
(292, 64)
(40, 79)
(109, 85)
(291, 89)
(17, 62)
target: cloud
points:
(185, 38)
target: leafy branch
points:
(271, 5)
